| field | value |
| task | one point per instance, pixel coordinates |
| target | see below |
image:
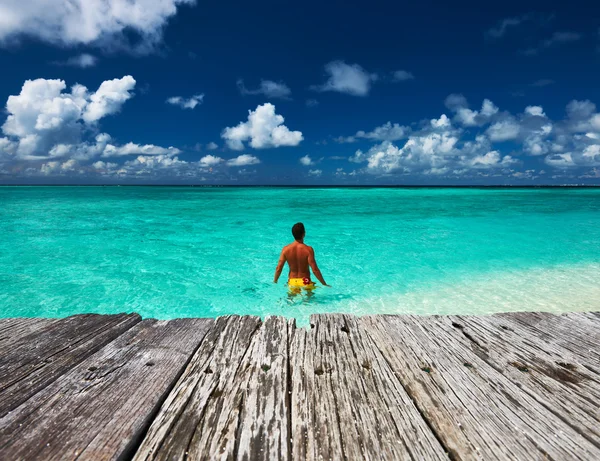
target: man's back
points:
(297, 255)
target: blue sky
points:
(189, 92)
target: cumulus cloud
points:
(186, 103)
(100, 165)
(263, 129)
(347, 78)
(504, 130)
(490, 160)
(444, 146)
(442, 122)
(212, 146)
(210, 160)
(103, 23)
(268, 88)
(243, 160)
(402, 75)
(44, 115)
(56, 130)
(109, 98)
(467, 117)
(560, 160)
(56, 167)
(316, 173)
(306, 161)
(134, 149)
(385, 132)
(82, 61)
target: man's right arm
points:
(313, 265)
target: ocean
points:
(168, 252)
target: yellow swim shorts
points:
(301, 283)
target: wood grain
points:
(347, 401)
(101, 407)
(474, 409)
(49, 349)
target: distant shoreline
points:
(312, 186)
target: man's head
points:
(298, 231)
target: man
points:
(299, 257)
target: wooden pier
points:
(508, 386)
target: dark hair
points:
(298, 231)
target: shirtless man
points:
(299, 257)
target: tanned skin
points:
(299, 257)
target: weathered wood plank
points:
(100, 408)
(549, 374)
(475, 410)
(263, 430)
(13, 330)
(346, 401)
(578, 333)
(50, 349)
(192, 417)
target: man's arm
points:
(280, 265)
(313, 265)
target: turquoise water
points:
(198, 252)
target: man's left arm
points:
(280, 265)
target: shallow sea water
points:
(203, 252)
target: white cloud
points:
(385, 132)
(490, 160)
(159, 161)
(456, 101)
(592, 151)
(316, 173)
(210, 160)
(136, 149)
(467, 117)
(184, 103)
(43, 115)
(347, 78)
(109, 98)
(56, 167)
(580, 110)
(100, 165)
(268, 88)
(263, 129)
(83, 61)
(560, 160)
(104, 23)
(46, 122)
(442, 122)
(402, 75)
(535, 111)
(243, 160)
(504, 130)
(306, 161)
(441, 148)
